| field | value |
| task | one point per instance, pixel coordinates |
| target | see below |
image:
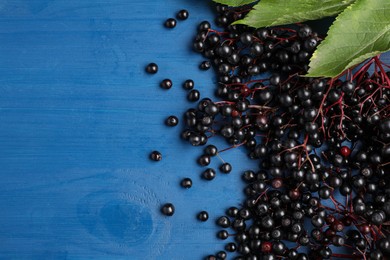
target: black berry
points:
(166, 84)
(170, 23)
(182, 15)
(172, 121)
(186, 183)
(155, 156)
(168, 209)
(203, 216)
(152, 68)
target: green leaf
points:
(235, 2)
(279, 12)
(360, 32)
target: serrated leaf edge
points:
(353, 62)
(276, 22)
(233, 5)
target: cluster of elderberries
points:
(323, 145)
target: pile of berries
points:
(323, 145)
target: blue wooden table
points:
(79, 117)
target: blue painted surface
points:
(79, 117)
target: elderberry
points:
(322, 145)
(182, 14)
(193, 95)
(203, 216)
(188, 84)
(172, 121)
(170, 23)
(209, 174)
(223, 222)
(166, 84)
(168, 209)
(225, 168)
(186, 183)
(155, 156)
(205, 65)
(152, 68)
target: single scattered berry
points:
(166, 84)
(204, 160)
(225, 168)
(193, 95)
(172, 121)
(203, 216)
(209, 174)
(186, 183)
(168, 209)
(152, 68)
(222, 234)
(156, 156)
(188, 84)
(170, 23)
(182, 14)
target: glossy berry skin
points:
(221, 255)
(249, 176)
(345, 151)
(223, 234)
(193, 95)
(348, 87)
(304, 31)
(325, 253)
(204, 26)
(211, 150)
(225, 168)
(188, 84)
(199, 46)
(172, 121)
(209, 174)
(376, 255)
(168, 209)
(232, 212)
(223, 222)
(231, 247)
(384, 246)
(186, 183)
(170, 23)
(152, 68)
(166, 84)
(155, 156)
(378, 217)
(182, 15)
(203, 216)
(205, 65)
(204, 160)
(338, 241)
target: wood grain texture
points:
(78, 119)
